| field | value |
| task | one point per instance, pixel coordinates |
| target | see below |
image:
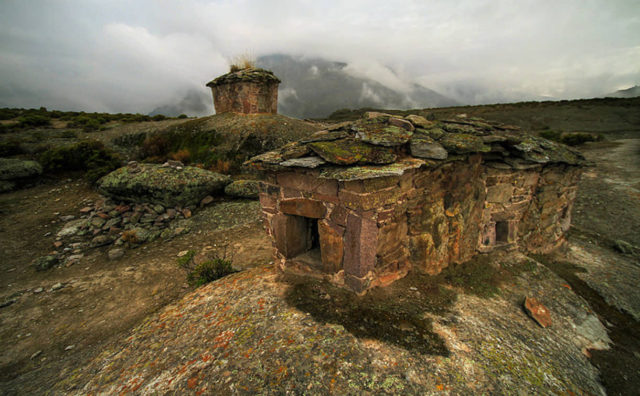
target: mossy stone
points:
(351, 151)
(383, 135)
(462, 143)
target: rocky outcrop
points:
(168, 185)
(14, 171)
(243, 189)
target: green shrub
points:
(10, 147)
(209, 271)
(570, 139)
(577, 138)
(186, 259)
(91, 125)
(8, 114)
(136, 118)
(182, 116)
(551, 135)
(33, 120)
(130, 140)
(68, 135)
(155, 146)
(159, 117)
(203, 273)
(90, 156)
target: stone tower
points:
(247, 91)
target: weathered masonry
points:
(247, 91)
(362, 203)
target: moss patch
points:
(351, 151)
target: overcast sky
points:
(131, 56)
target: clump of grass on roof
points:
(241, 62)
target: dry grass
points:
(242, 61)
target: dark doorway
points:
(502, 232)
(310, 252)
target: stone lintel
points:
(303, 207)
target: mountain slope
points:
(314, 87)
(625, 93)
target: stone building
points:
(362, 203)
(247, 91)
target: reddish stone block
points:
(303, 207)
(267, 201)
(290, 193)
(361, 239)
(291, 234)
(537, 311)
(374, 200)
(331, 246)
(308, 183)
(269, 189)
(370, 185)
(339, 215)
(499, 193)
(391, 236)
(356, 284)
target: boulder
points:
(167, 186)
(243, 189)
(13, 170)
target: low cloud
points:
(135, 56)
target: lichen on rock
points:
(163, 185)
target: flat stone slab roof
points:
(380, 145)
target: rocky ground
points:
(61, 317)
(133, 325)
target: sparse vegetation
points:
(10, 147)
(241, 62)
(205, 272)
(90, 156)
(571, 138)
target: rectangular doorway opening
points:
(502, 232)
(310, 252)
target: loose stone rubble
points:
(121, 224)
(361, 203)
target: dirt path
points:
(608, 206)
(45, 332)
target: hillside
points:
(133, 323)
(625, 93)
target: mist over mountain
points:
(625, 93)
(194, 103)
(315, 87)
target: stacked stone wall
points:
(373, 231)
(544, 225)
(246, 97)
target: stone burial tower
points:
(247, 91)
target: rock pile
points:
(119, 224)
